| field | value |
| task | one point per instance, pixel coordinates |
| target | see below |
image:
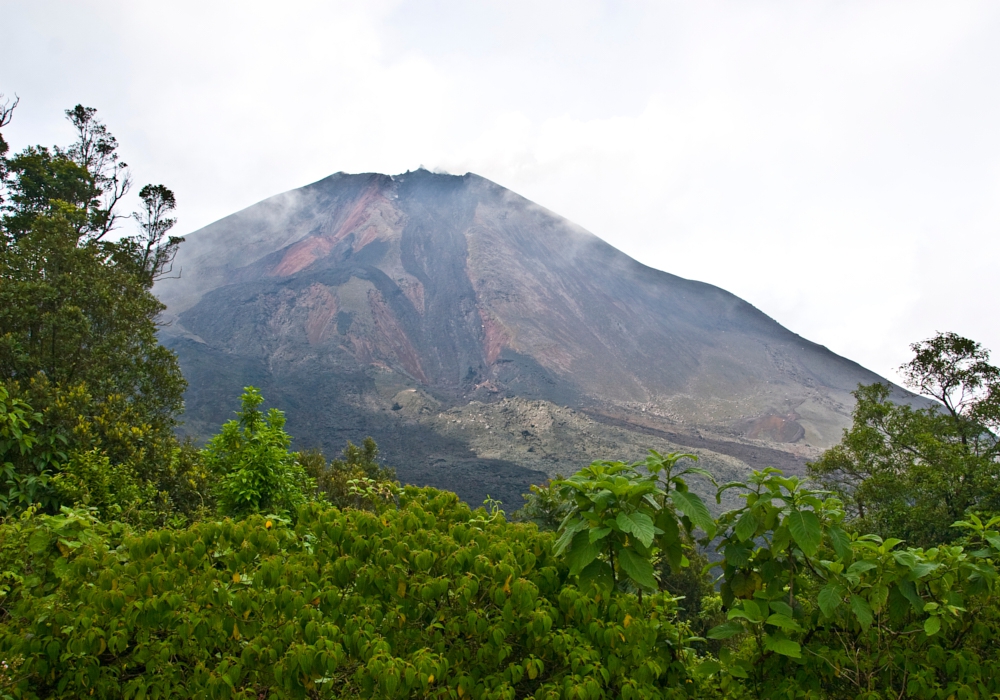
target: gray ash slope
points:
(485, 342)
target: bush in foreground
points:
(430, 600)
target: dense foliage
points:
(78, 335)
(427, 600)
(911, 472)
(819, 612)
(250, 459)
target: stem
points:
(611, 556)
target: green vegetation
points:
(250, 458)
(135, 566)
(78, 337)
(911, 472)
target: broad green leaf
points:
(638, 568)
(597, 572)
(725, 630)
(38, 542)
(877, 596)
(599, 533)
(925, 568)
(806, 530)
(994, 540)
(862, 610)
(783, 646)
(830, 596)
(909, 591)
(754, 610)
(666, 521)
(570, 527)
(639, 524)
(859, 567)
(675, 555)
(784, 622)
(932, 625)
(737, 554)
(737, 670)
(781, 608)
(582, 552)
(739, 613)
(694, 508)
(746, 526)
(707, 668)
(841, 542)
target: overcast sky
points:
(836, 164)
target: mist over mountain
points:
(483, 341)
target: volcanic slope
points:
(483, 341)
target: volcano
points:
(485, 342)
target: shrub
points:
(430, 600)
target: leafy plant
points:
(424, 601)
(813, 608)
(620, 519)
(911, 472)
(250, 458)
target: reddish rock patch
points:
(322, 310)
(495, 337)
(307, 251)
(391, 339)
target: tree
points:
(256, 473)
(356, 480)
(911, 472)
(78, 318)
(621, 520)
(6, 114)
(153, 249)
(816, 611)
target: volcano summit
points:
(483, 341)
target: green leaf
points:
(693, 507)
(581, 553)
(932, 625)
(598, 573)
(725, 630)
(638, 568)
(841, 542)
(38, 542)
(570, 528)
(737, 671)
(674, 553)
(599, 533)
(667, 521)
(862, 610)
(753, 611)
(925, 568)
(780, 607)
(639, 524)
(707, 668)
(784, 622)
(909, 591)
(785, 647)
(859, 567)
(806, 530)
(830, 597)
(746, 526)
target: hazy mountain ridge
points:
(341, 297)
